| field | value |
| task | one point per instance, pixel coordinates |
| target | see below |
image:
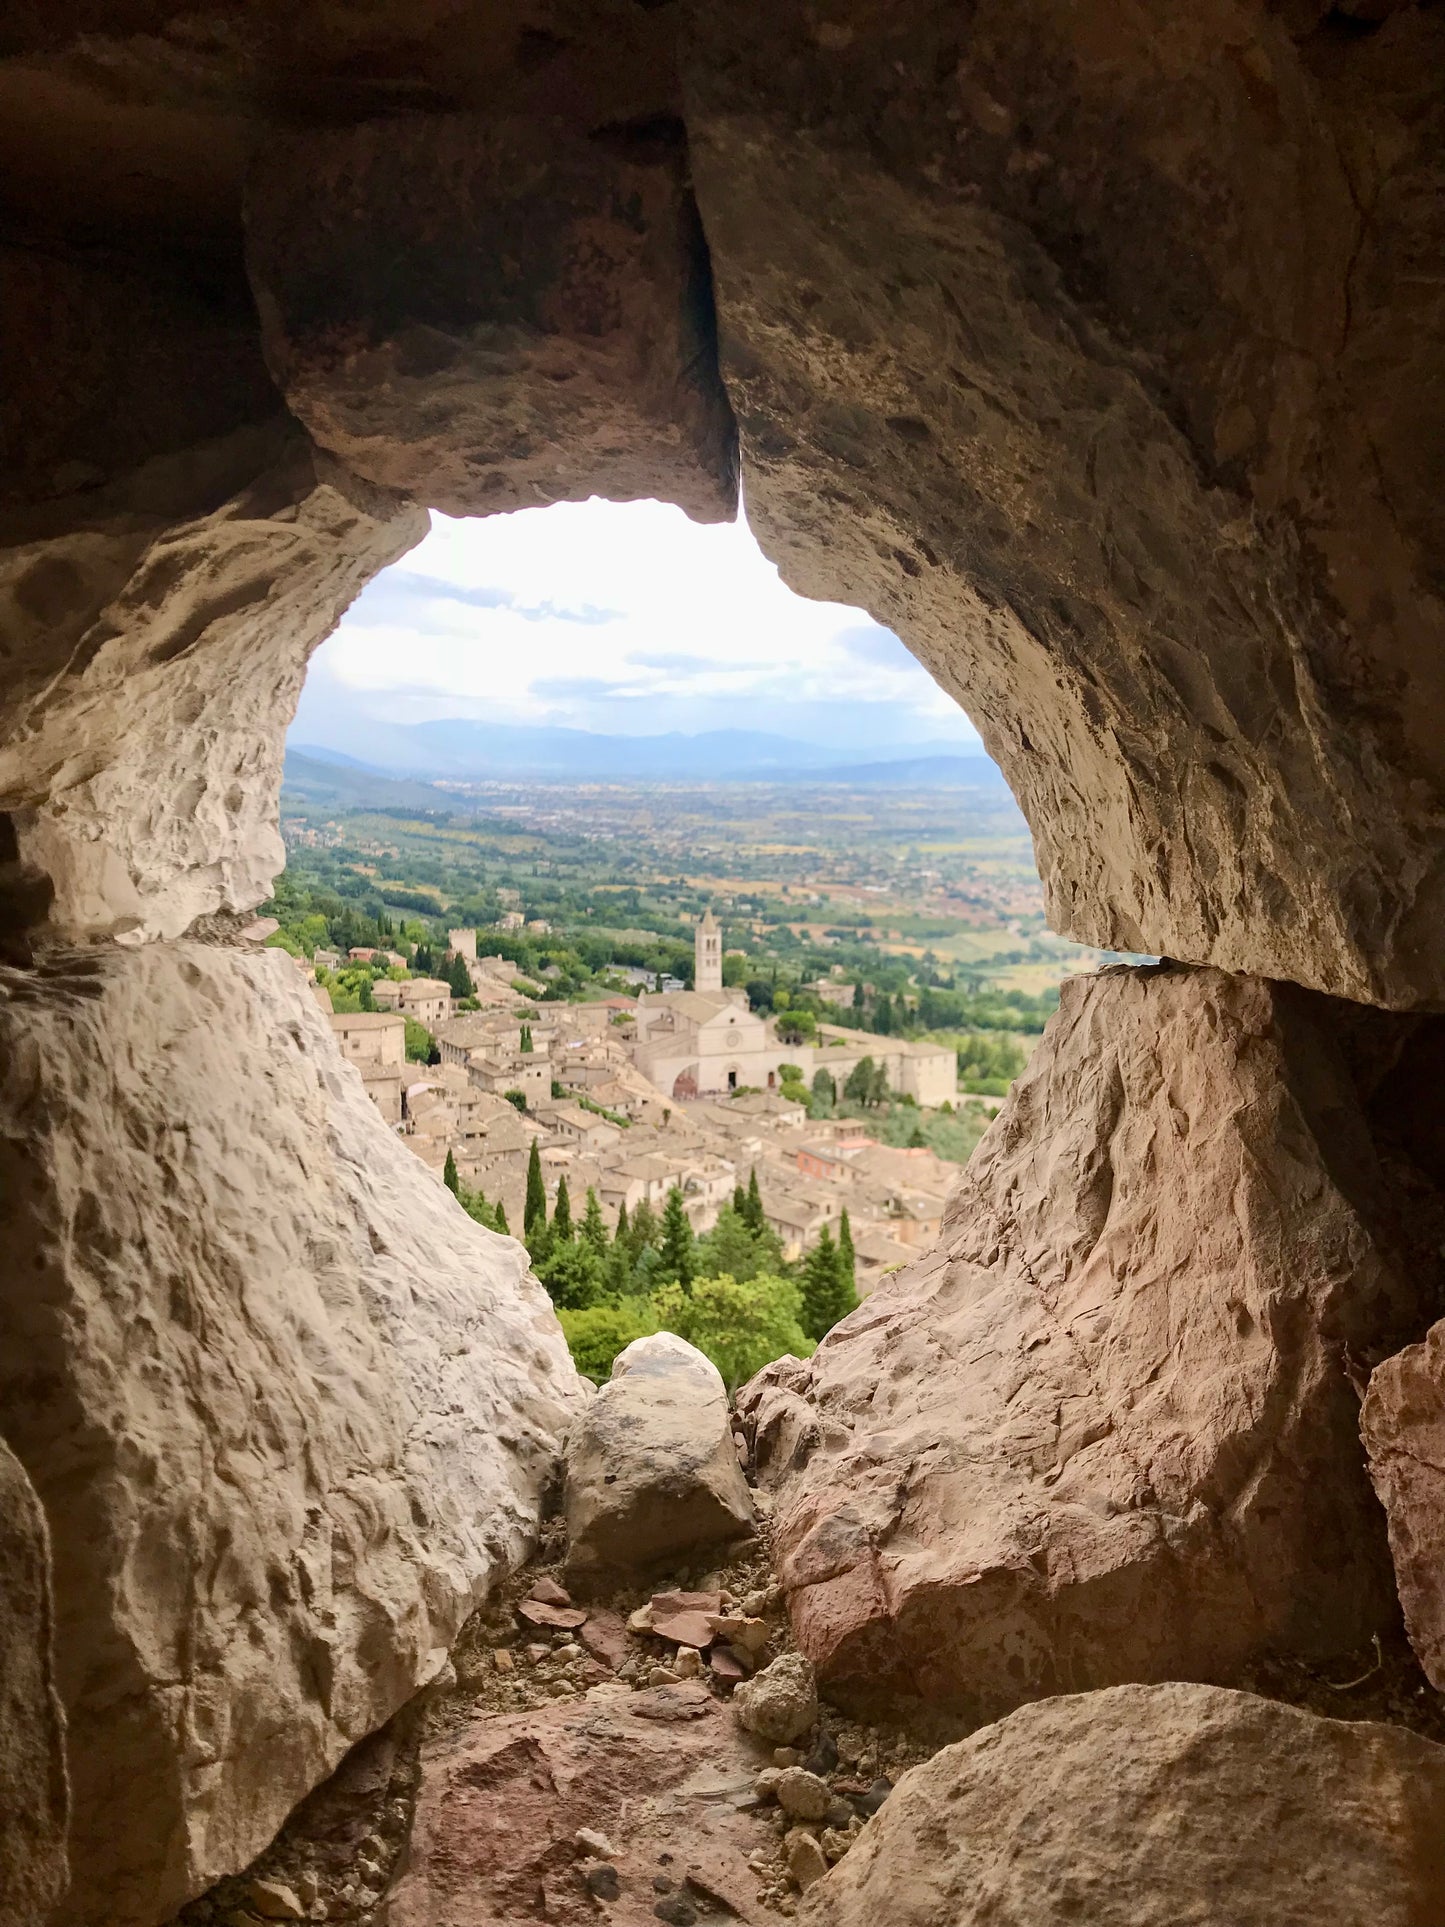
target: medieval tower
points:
(707, 944)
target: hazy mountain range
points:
(469, 751)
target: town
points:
(625, 1102)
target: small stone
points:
(662, 1676)
(780, 1703)
(868, 1803)
(560, 1689)
(806, 1859)
(536, 1612)
(840, 1813)
(536, 1654)
(308, 1889)
(605, 1638)
(550, 1593)
(569, 1653)
(786, 1756)
(766, 1784)
(640, 1621)
(726, 1665)
(661, 1884)
(711, 1582)
(502, 1660)
(803, 1794)
(747, 1634)
(273, 1901)
(688, 1664)
(602, 1882)
(824, 1756)
(677, 1910)
(684, 1628)
(835, 1842)
(755, 1604)
(589, 1841)
(688, 1700)
(664, 1604)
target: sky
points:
(624, 618)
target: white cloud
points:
(627, 618)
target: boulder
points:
(1402, 1422)
(289, 1412)
(33, 1794)
(651, 1473)
(1147, 1806)
(1106, 1432)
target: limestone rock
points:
(1145, 1806)
(1164, 518)
(495, 313)
(159, 653)
(780, 1703)
(501, 1802)
(1402, 1422)
(33, 1794)
(651, 1472)
(288, 1411)
(1105, 1431)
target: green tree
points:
(367, 1001)
(449, 1175)
(754, 1210)
(797, 1026)
(676, 1256)
(883, 1015)
(827, 1294)
(562, 1212)
(527, 1038)
(858, 1084)
(595, 1334)
(621, 1235)
(418, 1041)
(878, 1086)
(642, 1232)
(534, 1212)
(572, 1272)
(459, 980)
(499, 1219)
(741, 1324)
(825, 1092)
(740, 1201)
(594, 1229)
(858, 998)
(732, 1246)
(847, 1259)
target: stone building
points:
(427, 999)
(375, 1042)
(707, 955)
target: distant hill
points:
(477, 752)
(328, 778)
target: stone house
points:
(375, 1042)
(427, 999)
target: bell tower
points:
(707, 948)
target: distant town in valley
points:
(725, 1040)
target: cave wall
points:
(1096, 352)
(1089, 351)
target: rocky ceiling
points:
(1097, 352)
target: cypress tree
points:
(753, 1205)
(526, 1037)
(740, 1202)
(449, 1176)
(459, 980)
(675, 1253)
(562, 1212)
(535, 1210)
(621, 1234)
(820, 1286)
(847, 1262)
(643, 1231)
(499, 1219)
(593, 1229)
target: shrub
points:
(741, 1324)
(597, 1333)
